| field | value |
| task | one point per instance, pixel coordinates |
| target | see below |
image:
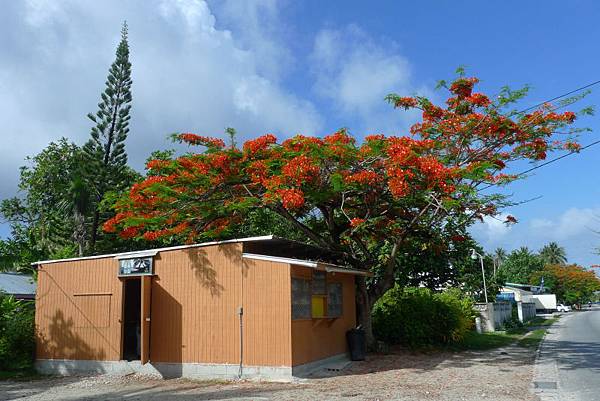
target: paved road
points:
(568, 368)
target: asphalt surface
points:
(568, 367)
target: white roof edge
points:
(281, 259)
(123, 255)
(328, 267)
(141, 254)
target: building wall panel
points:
(78, 310)
(314, 339)
(196, 293)
(267, 313)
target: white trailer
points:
(544, 302)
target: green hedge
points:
(17, 342)
(418, 317)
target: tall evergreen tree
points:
(106, 160)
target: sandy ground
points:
(501, 374)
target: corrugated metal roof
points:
(15, 283)
(170, 248)
(329, 267)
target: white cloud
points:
(494, 228)
(190, 72)
(356, 73)
(574, 229)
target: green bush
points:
(418, 317)
(17, 342)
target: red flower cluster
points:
(378, 137)
(572, 146)
(405, 103)
(300, 169)
(257, 170)
(154, 235)
(157, 164)
(432, 168)
(193, 165)
(301, 143)
(339, 137)
(365, 177)
(355, 222)
(292, 199)
(260, 143)
(479, 99)
(194, 139)
(398, 187)
(129, 232)
(463, 87)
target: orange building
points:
(260, 307)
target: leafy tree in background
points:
(41, 221)
(519, 266)
(572, 284)
(365, 203)
(553, 254)
(105, 157)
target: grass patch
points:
(542, 321)
(532, 340)
(483, 341)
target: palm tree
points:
(500, 255)
(553, 254)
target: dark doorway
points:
(131, 319)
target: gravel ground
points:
(502, 374)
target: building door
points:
(146, 297)
(132, 304)
(137, 295)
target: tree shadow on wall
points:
(62, 342)
(203, 268)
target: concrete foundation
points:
(66, 367)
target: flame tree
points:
(360, 200)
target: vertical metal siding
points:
(195, 297)
(267, 313)
(78, 310)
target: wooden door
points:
(145, 323)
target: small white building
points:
(528, 294)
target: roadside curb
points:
(545, 383)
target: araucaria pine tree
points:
(106, 160)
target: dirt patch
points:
(502, 374)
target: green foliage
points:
(266, 222)
(105, 157)
(520, 265)
(553, 254)
(42, 220)
(418, 317)
(17, 342)
(572, 284)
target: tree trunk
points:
(94, 233)
(364, 305)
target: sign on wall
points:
(136, 267)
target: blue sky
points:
(310, 67)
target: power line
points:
(558, 97)
(547, 162)
(559, 157)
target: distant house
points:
(261, 307)
(528, 294)
(21, 286)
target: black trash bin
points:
(357, 344)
